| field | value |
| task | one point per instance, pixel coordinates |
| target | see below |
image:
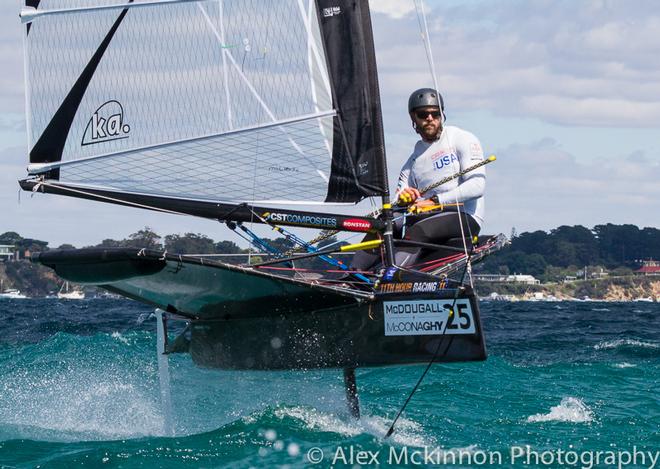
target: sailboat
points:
(241, 111)
(68, 293)
(10, 293)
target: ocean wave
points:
(570, 409)
(613, 344)
(117, 335)
(624, 365)
(407, 433)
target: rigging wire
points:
(289, 236)
(104, 197)
(424, 31)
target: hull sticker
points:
(411, 287)
(428, 317)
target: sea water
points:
(566, 384)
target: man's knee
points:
(420, 232)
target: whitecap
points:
(624, 365)
(570, 409)
(143, 317)
(120, 338)
(612, 344)
(407, 432)
(316, 420)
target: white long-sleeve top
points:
(456, 150)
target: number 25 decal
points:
(464, 318)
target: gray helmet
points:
(425, 97)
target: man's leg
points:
(435, 229)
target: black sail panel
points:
(31, 4)
(358, 166)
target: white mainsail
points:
(207, 100)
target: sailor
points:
(438, 214)
(441, 152)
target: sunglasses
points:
(424, 114)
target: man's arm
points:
(472, 185)
(404, 192)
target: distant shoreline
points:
(625, 289)
(629, 289)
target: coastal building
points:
(649, 267)
(599, 273)
(490, 277)
(592, 272)
(522, 278)
(6, 252)
(516, 278)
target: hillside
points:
(31, 279)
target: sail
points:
(258, 101)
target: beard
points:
(430, 132)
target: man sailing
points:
(441, 152)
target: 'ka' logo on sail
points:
(106, 124)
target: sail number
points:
(428, 317)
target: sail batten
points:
(38, 168)
(30, 14)
(263, 100)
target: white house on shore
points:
(516, 278)
(522, 278)
(6, 252)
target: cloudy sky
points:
(565, 93)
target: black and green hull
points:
(249, 318)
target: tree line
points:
(565, 249)
(188, 243)
(539, 253)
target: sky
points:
(566, 94)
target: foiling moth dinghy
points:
(239, 111)
(253, 318)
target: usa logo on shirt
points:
(444, 161)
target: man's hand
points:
(408, 196)
(421, 203)
(426, 205)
